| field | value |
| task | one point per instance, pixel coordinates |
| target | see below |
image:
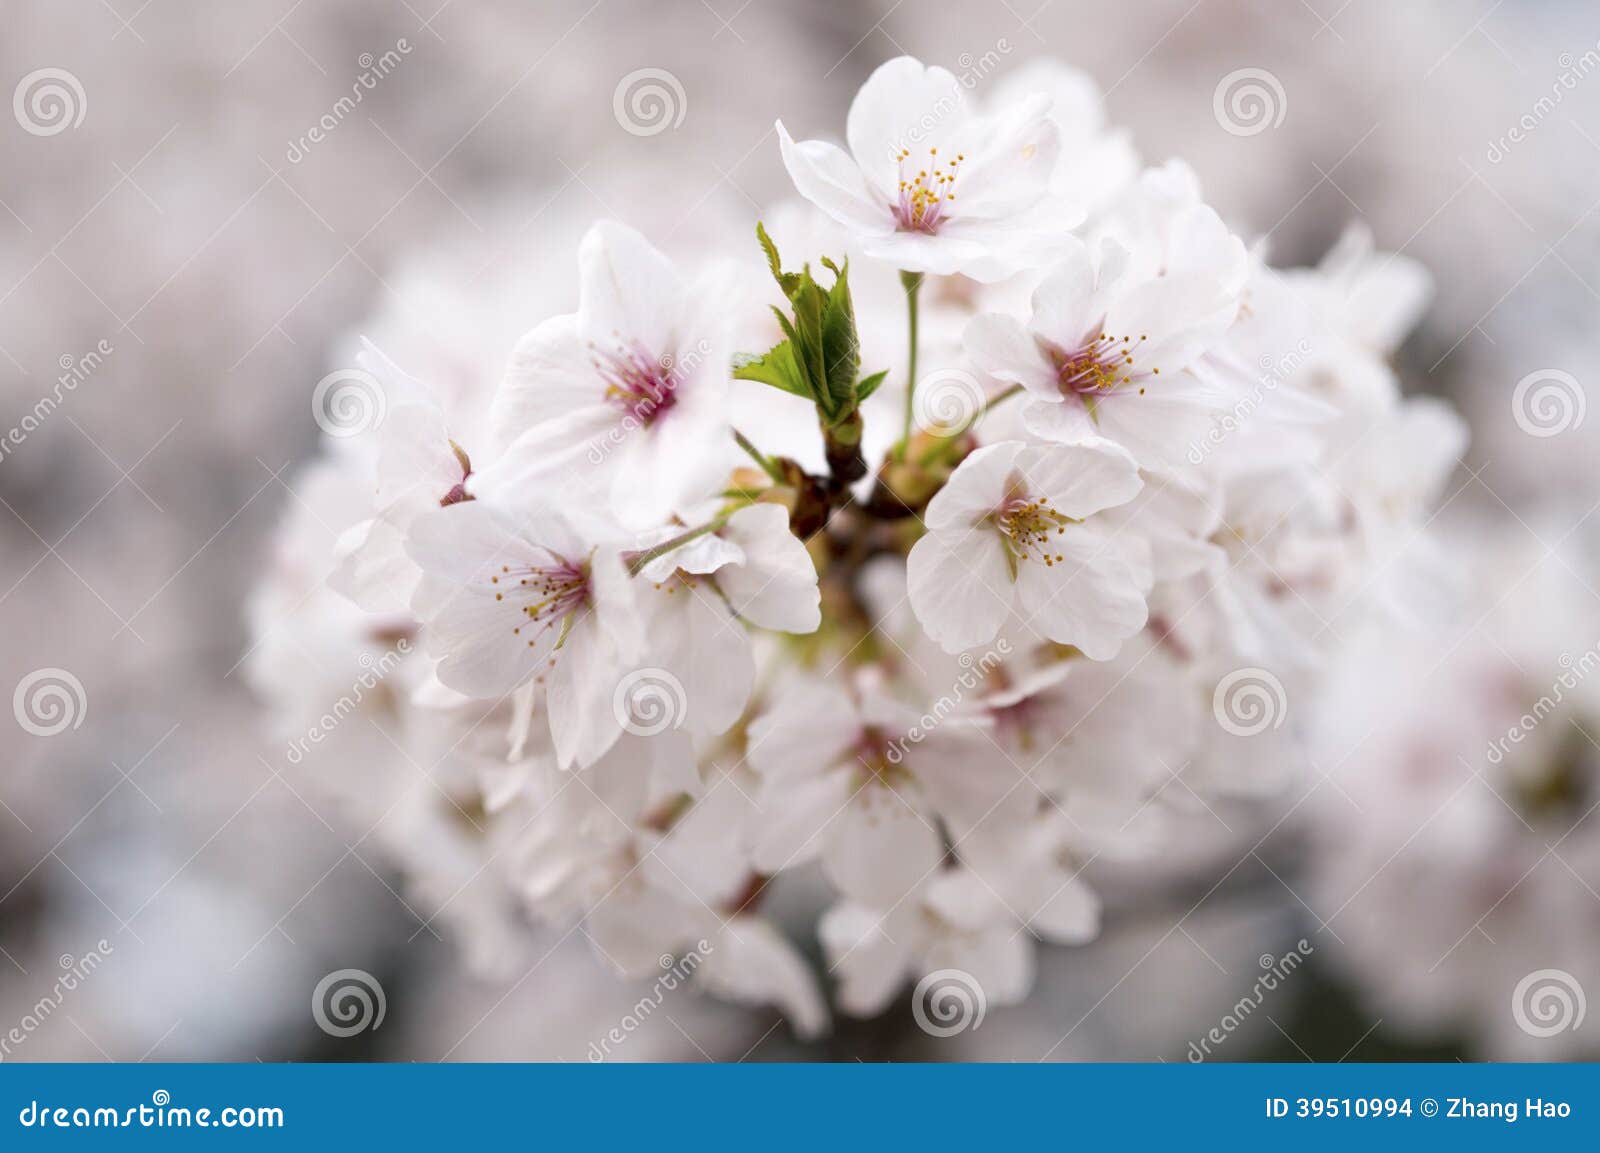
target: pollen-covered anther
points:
(923, 193)
(547, 596)
(1027, 524)
(641, 385)
(1104, 363)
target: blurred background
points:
(182, 258)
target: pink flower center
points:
(642, 386)
(1103, 364)
(1026, 524)
(546, 595)
(925, 189)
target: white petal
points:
(976, 488)
(628, 291)
(1080, 480)
(1092, 599)
(796, 816)
(1002, 347)
(960, 586)
(880, 848)
(751, 963)
(869, 963)
(1068, 915)
(806, 730)
(889, 113)
(827, 177)
(776, 586)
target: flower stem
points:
(637, 561)
(912, 281)
(767, 466)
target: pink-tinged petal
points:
(1162, 427)
(374, 569)
(807, 730)
(467, 543)
(1008, 168)
(903, 106)
(869, 962)
(480, 653)
(880, 849)
(1202, 245)
(1000, 960)
(960, 587)
(417, 468)
(701, 644)
(827, 177)
(584, 723)
(976, 489)
(1168, 322)
(634, 924)
(1060, 421)
(1093, 598)
(776, 585)
(796, 818)
(1002, 347)
(1065, 302)
(1068, 914)
(943, 255)
(628, 291)
(753, 964)
(550, 377)
(1080, 480)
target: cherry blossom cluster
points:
(979, 523)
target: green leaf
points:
(821, 355)
(869, 385)
(787, 281)
(777, 368)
